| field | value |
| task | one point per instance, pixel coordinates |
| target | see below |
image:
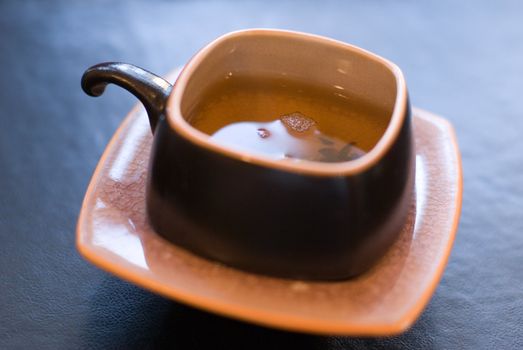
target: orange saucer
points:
(113, 234)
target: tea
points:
(289, 120)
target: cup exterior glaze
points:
(304, 220)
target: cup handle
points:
(149, 88)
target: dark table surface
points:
(463, 60)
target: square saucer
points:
(113, 233)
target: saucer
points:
(113, 233)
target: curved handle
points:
(149, 88)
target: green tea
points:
(289, 120)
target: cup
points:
(305, 220)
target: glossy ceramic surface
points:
(264, 215)
(113, 233)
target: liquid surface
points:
(289, 120)
(292, 136)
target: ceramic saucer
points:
(113, 234)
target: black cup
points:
(306, 220)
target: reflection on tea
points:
(289, 120)
(291, 136)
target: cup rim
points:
(176, 120)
